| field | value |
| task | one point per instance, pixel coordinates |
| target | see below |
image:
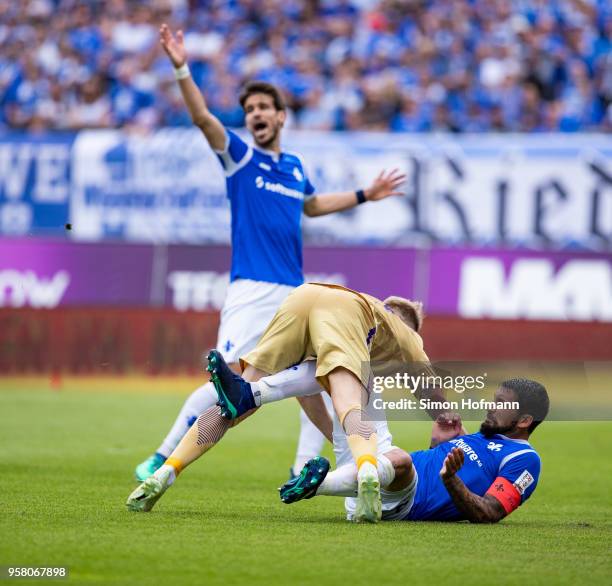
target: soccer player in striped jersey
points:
(268, 191)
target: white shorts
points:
(248, 309)
(397, 505)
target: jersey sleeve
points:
(412, 350)
(516, 480)
(235, 154)
(308, 188)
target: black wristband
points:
(361, 198)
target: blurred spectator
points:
(92, 106)
(316, 114)
(400, 65)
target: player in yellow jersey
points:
(342, 330)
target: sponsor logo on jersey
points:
(494, 447)
(523, 482)
(279, 188)
(467, 450)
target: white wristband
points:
(182, 72)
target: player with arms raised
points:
(268, 191)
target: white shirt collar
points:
(520, 441)
(273, 154)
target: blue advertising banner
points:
(35, 183)
(536, 191)
(164, 187)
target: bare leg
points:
(197, 403)
(347, 395)
(207, 431)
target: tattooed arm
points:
(476, 509)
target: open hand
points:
(385, 184)
(452, 463)
(173, 46)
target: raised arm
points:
(477, 509)
(200, 114)
(384, 185)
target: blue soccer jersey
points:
(266, 192)
(486, 459)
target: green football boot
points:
(143, 499)
(305, 485)
(150, 465)
(235, 394)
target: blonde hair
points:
(410, 312)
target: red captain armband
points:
(506, 493)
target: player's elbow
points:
(212, 130)
(311, 208)
(488, 517)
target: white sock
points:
(343, 481)
(386, 472)
(296, 381)
(311, 440)
(164, 468)
(340, 482)
(367, 468)
(200, 400)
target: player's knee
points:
(403, 467)
(402, 462)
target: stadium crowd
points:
(399, 65)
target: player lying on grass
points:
(343, 330)
(269, 190)
(480, 477)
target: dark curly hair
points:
(532, 398)
(262, 87)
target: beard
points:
(268, 142)
(489, 428)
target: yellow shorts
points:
(333, 325)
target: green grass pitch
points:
(66, 469)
